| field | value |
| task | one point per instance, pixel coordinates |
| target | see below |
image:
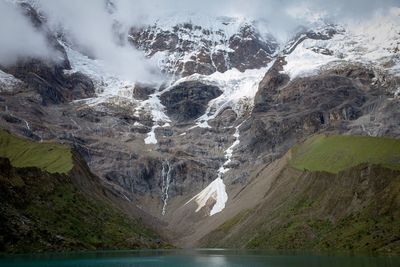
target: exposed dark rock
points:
(246, 49)
(142, 91)
(286, 112)
(269, 86)
(220, 62)
(80, 86)
(325, 34)
(11, 119)
(189, 100)
(48, 79)
(199, 63)
(250, 50)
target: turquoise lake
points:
(195, 258)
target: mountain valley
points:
(242, 141)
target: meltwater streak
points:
(166, 180)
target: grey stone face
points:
(246, 49)
(188, 100)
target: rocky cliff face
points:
(199, 45)
(287, 111)
(188, 100)
(235, 102)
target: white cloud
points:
(89, 25)
(18, 38)
(283, 16)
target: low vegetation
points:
(347, 200)
(51, 157)
(339, 152)
(42, 209)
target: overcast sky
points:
(89, 23)
(275, 9)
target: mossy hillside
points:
(41, 211)
(375, 228)
(51, 157)
(322, 213)
(86, 223)
(44, 209)
(338, 152)
(224, 229)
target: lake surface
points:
(195, 258)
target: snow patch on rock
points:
(239, 90)
(154, 107)
(216, 190)
(151, 136)
(196, 33)
(305, 62)
(374, 42)
(107, 85)
(8, 82)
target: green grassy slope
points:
(43, 212)
(347, 200)
(337, 153)
(50, 157)
(42, 209)
(323, 212)
(337, 213)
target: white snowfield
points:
(375, 42)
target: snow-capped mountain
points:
(231, 101)
(204, 45)
(374, 43)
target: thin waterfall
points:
(166, 180)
